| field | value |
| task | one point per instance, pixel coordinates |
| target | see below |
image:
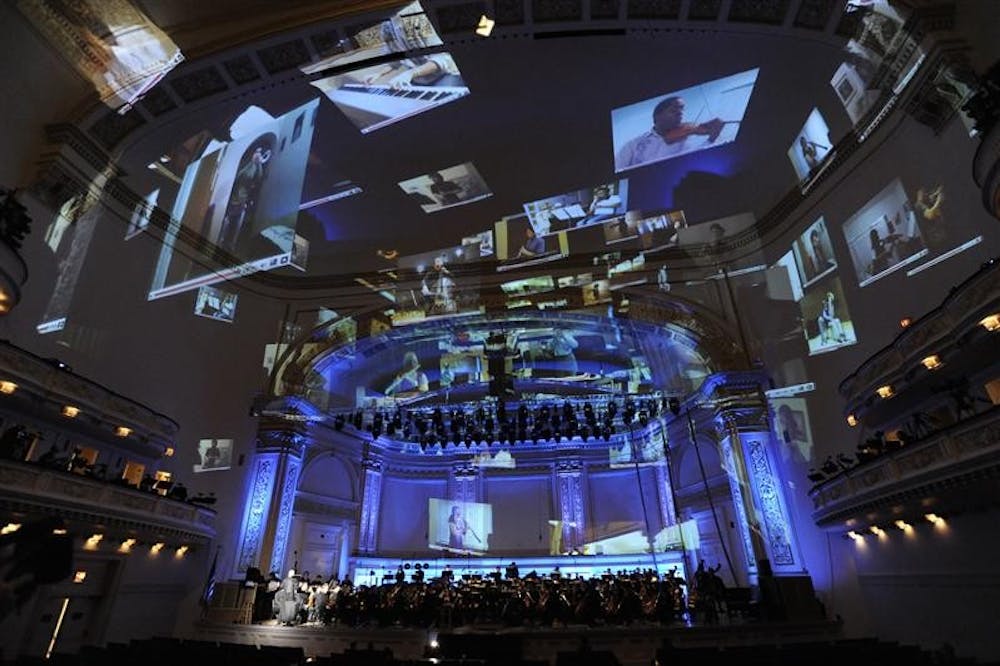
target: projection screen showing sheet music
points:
(378, 96)
(681, 122)
(238, 204)
(459, 527)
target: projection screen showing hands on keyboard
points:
(374, 97)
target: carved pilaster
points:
(258, 501)
(371, 502)
(569, 483)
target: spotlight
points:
(885, 392)
(852, 420)
(990, 323)
(485, 26)
(903, 525)
(69, 411)
(934, 518)
(7, 387)
(857, 537)
(877, 531)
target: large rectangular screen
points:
(814, 257)
(377, 96)
(407, 29)
(811, 147)
(518, 244)
(459, 527)
(446, 188)
(825, 318)
(681, 122)
(110, 42)
(429, 287)
(883, 236)
(239, 203)
(579, 208)
(216, 304)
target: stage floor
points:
(634, 644)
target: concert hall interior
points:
(504, 331)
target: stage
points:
(632, 645)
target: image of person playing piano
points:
(437, 69)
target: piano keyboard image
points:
(381, 105)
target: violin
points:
(710, 128)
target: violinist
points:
(670, 136)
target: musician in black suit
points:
(512, 572)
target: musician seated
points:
(669, 136)
(512, 572)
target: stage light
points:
(156, 548)
(485, 26)
(877, 531)
(79, 576)
(857, 537)
(122, 431)
(903, 525)
(934, 518)
(10, 528)
(70, 412)
(885, 392)
(852, 420)
(991, 322)
(181, 550)
(126, 545)
(932, 362)
(7, 387)
(93, 542)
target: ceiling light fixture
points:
(69, 411)
(122, 431)
(79, 576)
(7, 387)
(126, 545)
(904, 322)
(932, 362)
(884, 392)
(10, 528)
(934, 518)
(156, 548)
(903, 525)
(485, 26)
(854, 535)
(877, 531)
(990, 323)
(852, 420)
(180, 551)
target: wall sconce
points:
(905, 321)
(934, 518)
(991, 322)
(485, 26)
(10, 528)
(122, 431)
(168, 452)
(156, 548)
(181, 550)
(7, 387)
(69, 411)
(855, 536)
(79, 576)
(126, 545)
(903, 525)
(852, 420)
(885, 392)
(93, 541)
(932, 362)
(877, 531)
(59, 531)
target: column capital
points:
(568, 466)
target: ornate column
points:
(569, 484)
(371, 502)
(270, 498)
(665, 493)
(751, 447)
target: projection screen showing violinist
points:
(459, 527)
(681, 122)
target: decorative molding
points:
(961, 456)
(768, 490)
(36, 490)
(740, 505)
(289, 486)
(258, 500)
